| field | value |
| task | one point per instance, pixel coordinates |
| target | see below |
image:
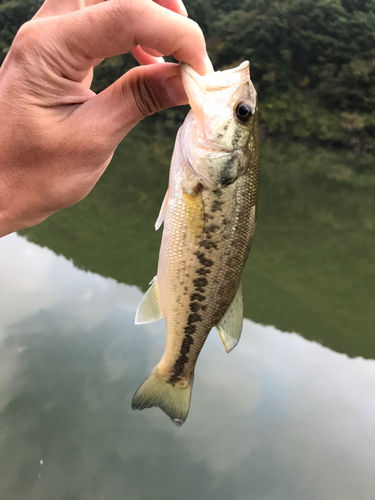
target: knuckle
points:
(146, 97)
(26, 39)
(117, 10)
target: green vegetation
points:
(311, 269)
(312, 266)
(14, 13)
(312, 61)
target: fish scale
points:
(209, 215)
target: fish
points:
(209, 214)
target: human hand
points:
(57, 136)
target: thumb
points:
(141, 92)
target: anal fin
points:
(149, 309)
(230, 325)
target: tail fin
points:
(174, 400)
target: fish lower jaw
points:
(203, 147)
(208, 146)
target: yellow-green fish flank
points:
(209, 215)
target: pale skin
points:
(57, 137)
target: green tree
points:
(312, 61)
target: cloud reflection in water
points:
(279, 418)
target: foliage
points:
(312, 61)
(312, 265)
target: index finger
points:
(56, 7)
(115, 27)
(175, 5)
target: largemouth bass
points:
(209, 215)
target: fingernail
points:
(183, 8)
(209, 66)
(176, 90)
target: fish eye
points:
(243, 112)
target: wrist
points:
(11, 222)
(8, 220)
(14, 216)
(7, 225)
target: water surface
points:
(284, 416)
(312, 265)
(279, 418)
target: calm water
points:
(312, 265)
(280, 418)
(284, 416)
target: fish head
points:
(223, 122)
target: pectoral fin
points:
(163, 211)
(149, 309)
(230, 325)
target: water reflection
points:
(312, 265)
(279, 418)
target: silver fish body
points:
(209, 215)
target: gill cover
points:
(216, 140)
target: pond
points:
(284, 416)
(312, 266)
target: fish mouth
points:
(219, 79)
(197, 86)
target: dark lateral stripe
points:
(194, 317)
(188, 341)
(198, 297)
